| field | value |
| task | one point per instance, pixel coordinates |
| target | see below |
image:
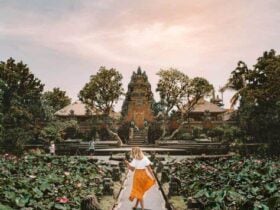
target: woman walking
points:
(142, 181)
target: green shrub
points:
(231, 183)
(183, 134)
(57, 131)
(197, 131)
(154, 132)
(225, 133)
(216, 133)
(123, 132)
(48, 182)
(103, 134)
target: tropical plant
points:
(57, 131)
(57, 182)
(237, 82)
(1, 110)
(259, 111)
(230, 183)
(225, 133)
(154, 132)
(123, 131)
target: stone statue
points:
(107, 186)
(116, 174)
(165, 175)
(90, 203)
(122, 166)
(174, 186)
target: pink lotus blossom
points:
(62, 200)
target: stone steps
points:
(139, 138)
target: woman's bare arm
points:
(129, 166)
(151, 171)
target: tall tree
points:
(179, 93)
(56, 98)
(2, 87)
(259, 111)
(102, 92)
(21, 102)
(237, 82)
(53, 101)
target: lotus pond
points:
(46, 182)
(231, 183)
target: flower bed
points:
(230, 183)
(45, 182)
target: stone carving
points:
(165, 175)
(174, 186)
(159, 167)
(127, 156)
(122, 166)
(116, 174)
(90, 203)
(194, 204)
(107, 186)
(153, 156)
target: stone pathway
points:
(153, 199)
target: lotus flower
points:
(66, 173)
(78, 185)
(62, 200)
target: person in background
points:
(52, 148)
(91, 148)
(143, 178)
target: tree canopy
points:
(172, 87)
(179, 93)
(21, 102)
(237, 82)
(1, 108)
(103, 90)
(56, 98)
(258, 90)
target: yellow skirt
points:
(141, 183)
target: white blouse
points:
(140, 164)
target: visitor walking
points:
(91, 148)
(52, 148)
(143, 178)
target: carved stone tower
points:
(137, 107)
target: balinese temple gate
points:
(137, 107)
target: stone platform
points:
(124, 149)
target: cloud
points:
(138, 32)
(201, 38)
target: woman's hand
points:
(129, 166)
(126, 162)
(151, 172)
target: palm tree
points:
(237, 82)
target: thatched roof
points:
(229, 114)
(79, 109)
(203, 105)
(76, 109)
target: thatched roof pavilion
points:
(77, 109)
(203, 106)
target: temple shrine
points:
(137, 106)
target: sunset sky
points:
(64, 42)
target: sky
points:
(64, 42)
